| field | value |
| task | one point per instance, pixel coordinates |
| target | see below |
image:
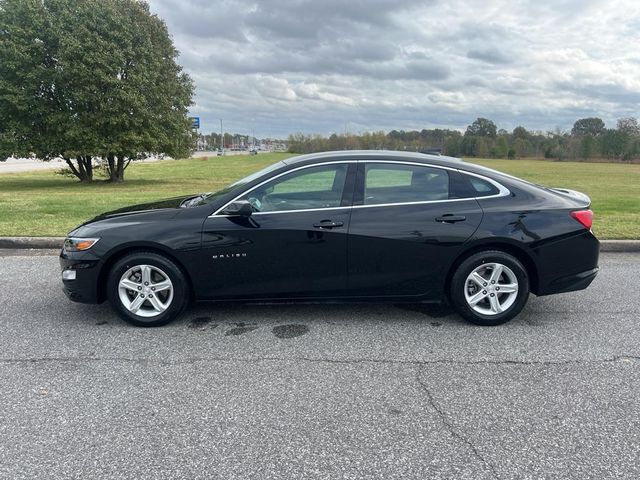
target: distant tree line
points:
(588, 139)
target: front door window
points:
(306, 189)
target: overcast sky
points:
(320, 66)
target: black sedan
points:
(353, 226)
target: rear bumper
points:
(570, 283)
(567, 264)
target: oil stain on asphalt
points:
(290, 331)
(240, 329)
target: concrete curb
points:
(56, 242)
(31, 242)
(620, 245)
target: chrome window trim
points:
(302, 210)
(423, 202)
(502, 190)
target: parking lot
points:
(319, 391)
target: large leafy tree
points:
(482, 127)
(90, 79)
(629, 125)
(588, 126)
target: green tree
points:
(613, 143)
(588, 126)
(629, 125)
(502, 147)
(452, 146)
(522, 147)
(482, 127)
(587, 146)
(521, 132)
(90, 79)
(481, 148)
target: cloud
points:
(309, 65)
(489, 55)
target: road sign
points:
(195, 122)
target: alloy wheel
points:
(145, 290)
(491, 288)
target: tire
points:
(166, 293)
(495, 303)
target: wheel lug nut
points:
(146, 283)
(153, 288)
(493, 294)
(142, 295)
(484, 284)
(139, 288)
(484, 292)
(150, 296)
(497, 288)
(493, 281)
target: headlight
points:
(74, 244)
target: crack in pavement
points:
(444, 361)
(450, 427)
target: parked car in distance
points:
(253, 151)
(353, 226)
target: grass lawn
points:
(43, 204)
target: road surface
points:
(318, 392)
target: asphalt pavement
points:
(319, 391)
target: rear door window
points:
(388, 183)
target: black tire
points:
(175, 305)
(459, 285)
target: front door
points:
(294, 245)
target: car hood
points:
(166, 208)
(163, 204)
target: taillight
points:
(585, 217)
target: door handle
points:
(451, 218)
(328, 224)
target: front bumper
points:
(85, 287)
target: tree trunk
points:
(117, 172)
(83, 169)
(88, 167)
(112, 167)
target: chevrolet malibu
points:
(353, 226)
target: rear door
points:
(293, 245)
(406, 228)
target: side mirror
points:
(239, 208)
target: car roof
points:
(375, 155)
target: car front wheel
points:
(147, 289)
(489, 288)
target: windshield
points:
(211, 196)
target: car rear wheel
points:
(489, 288)
(147, 289)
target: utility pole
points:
(221, 138)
